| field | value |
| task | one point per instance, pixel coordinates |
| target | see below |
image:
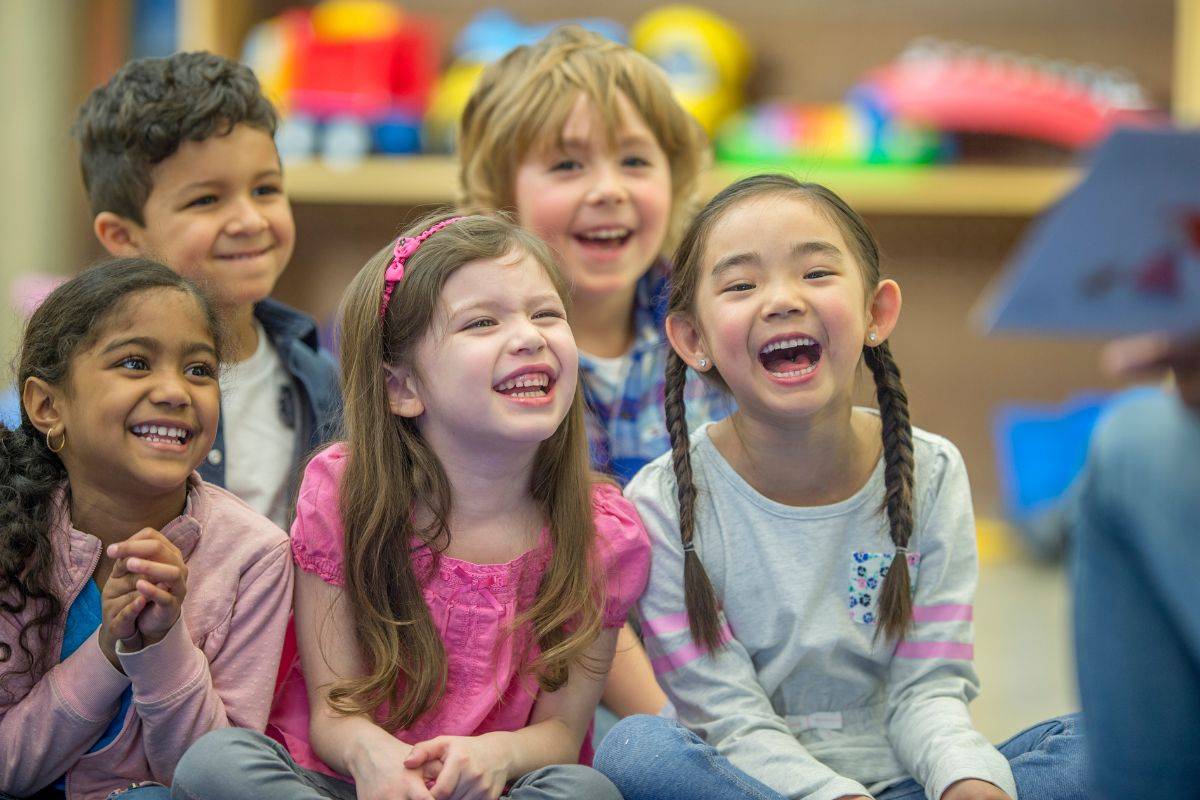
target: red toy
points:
(367, 77)
(969, 89)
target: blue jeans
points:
(1137, 599)
(662, 760)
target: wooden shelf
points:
(948, 190)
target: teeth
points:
(160, 430)
(539, 379)
(608, 233)
(802, 341)
(796, 373)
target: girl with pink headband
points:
(461, 573)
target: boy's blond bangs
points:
(524, 99)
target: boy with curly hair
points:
(179, 162)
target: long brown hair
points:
(66, 323)
(895, 597)
(392, 469)
(524, 99)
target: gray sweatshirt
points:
(803, 696)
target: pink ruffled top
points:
(488, 687)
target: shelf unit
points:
(949, 190)
(938, 190)
(945, 230)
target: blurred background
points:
(950, 125)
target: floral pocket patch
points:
(867, 571)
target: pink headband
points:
(402, 252)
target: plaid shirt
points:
(631, 431)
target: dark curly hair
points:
(68, 321)
(148, 109)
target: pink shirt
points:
(487, 687)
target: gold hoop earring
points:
(53, 449)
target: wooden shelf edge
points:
(935, 190)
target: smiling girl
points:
(106, 675)
(809, 611)
(461, 574)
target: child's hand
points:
(380, 771)
(160, 577)
(472, 767)
(972, 789)
(120, 605)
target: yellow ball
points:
(705, 57)
(338, 20)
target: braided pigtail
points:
(697, 589)
(895, 607)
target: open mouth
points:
(605, 238)
(527, 385)
(791, 357)
(162, 434)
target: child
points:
(106, 674)
(180, 165)
(460, 573)
(582, 139)
(804, 659)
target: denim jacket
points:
(312, 406)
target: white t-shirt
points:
(606, 376)
(259, 444)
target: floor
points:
(1023, 646)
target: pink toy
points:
(964, 89)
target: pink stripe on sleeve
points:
(952, 650)
(670, 623)
(668, 662)
(946, 613)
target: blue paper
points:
(1119, 254)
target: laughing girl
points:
(809, 611)
(461, 575)
(106, 675)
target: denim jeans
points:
(235, 762)
(1046, 760)
(1137, 599)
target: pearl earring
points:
(872, 336)
(703, 363)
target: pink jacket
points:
(215, 668)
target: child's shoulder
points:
(612, 513)
(243, 532)
(623, 551)
(617, 522)
(934, 455)
(322, 476)
(290, 328)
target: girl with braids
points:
(107, 675)
(461, 574)
(810, 600)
